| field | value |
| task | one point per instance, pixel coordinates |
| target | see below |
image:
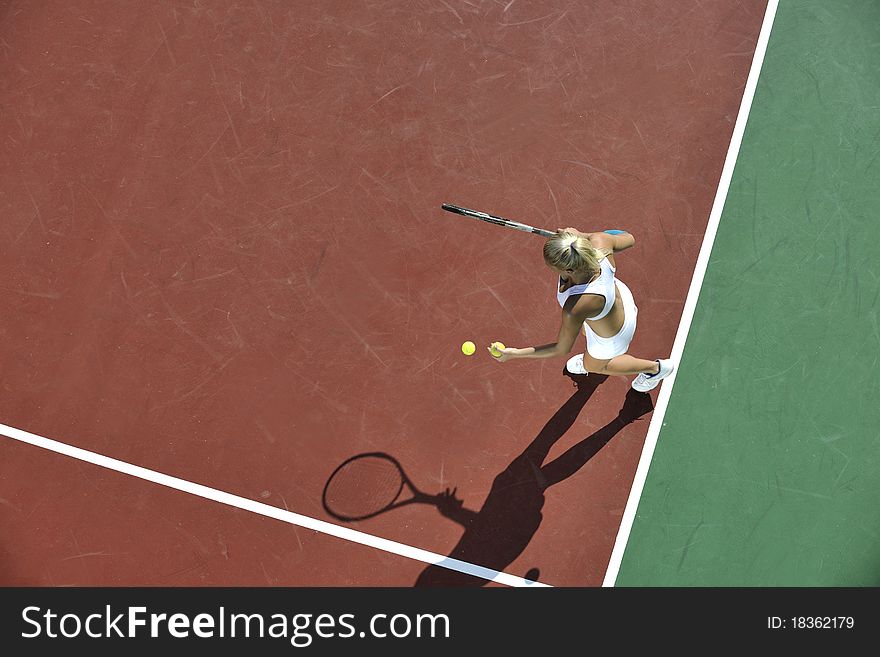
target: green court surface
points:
(767, 467)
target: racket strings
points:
(362, 487)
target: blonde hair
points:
(568, 251)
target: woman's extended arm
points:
(568, 333)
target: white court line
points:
(691, 302)
(267, 510)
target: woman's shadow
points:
(498, 533)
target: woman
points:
(593, 299)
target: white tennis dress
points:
(605, 286)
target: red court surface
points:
(224, 259)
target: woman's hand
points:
(506, 354)
(574, 231)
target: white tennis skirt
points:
(607, 348)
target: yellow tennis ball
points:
(468, 348)
(495, 349)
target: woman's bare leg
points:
(622, 365)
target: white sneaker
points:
(575, 365)
(645, 382)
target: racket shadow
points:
(366, 485)
(498, 533)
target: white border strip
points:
(693, 293)
(267, 510)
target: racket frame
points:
(498, 221)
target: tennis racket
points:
(367, 485)
(498, 221)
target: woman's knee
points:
(594, 365)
